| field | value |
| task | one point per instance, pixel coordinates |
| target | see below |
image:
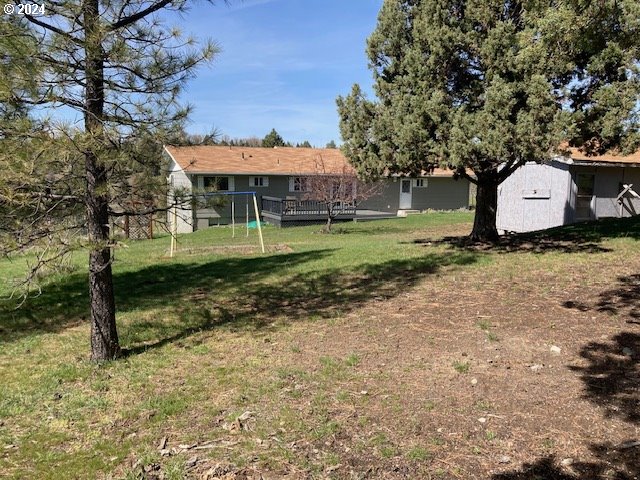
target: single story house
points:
(279, 174)
(567, 190)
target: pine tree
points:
(17, 70)
(122, 70)
(486, 86)
(273, 139)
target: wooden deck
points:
(287, 212)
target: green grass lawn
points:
(196, 329)
(147, 280)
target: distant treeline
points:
(272, 139)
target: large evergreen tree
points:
(273, 139)
(117, 65)
(484, 86)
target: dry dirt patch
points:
(530, 374)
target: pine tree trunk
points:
(484, 223)
(104, 336)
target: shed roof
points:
(580, 157)
(227, 160)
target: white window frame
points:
(258, 181)
(302, 184)
(230, 181)
(421, 183)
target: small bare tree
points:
(338, 189)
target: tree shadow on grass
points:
(611, 377)
(240, 292)
(609, 463)
(577, 238)
(65, 303)
(326, 293)
(611, 374)
(624, 298)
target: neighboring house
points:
(279, 173)
(568, 190)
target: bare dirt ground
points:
(532, 374)
(522, 405)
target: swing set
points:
(233, 195)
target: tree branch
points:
(508, 169)
(463, 173)
(137, 16)
(52, 28)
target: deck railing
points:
(302, 208)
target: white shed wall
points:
(534, 197)
(540, 196)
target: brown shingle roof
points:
(258, 161)
(263, 161)
(578, 156)
(304, 161)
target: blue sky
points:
(282, 65)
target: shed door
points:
(584, 196)
(405, 194)
(536, 197)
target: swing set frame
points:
(174, 223)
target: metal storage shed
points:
(568, 190)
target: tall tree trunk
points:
(484, 223)
(104, 335)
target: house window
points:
(298, 184)
(258, 181)
(217, 184)
(343, 189)
(421, 182)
